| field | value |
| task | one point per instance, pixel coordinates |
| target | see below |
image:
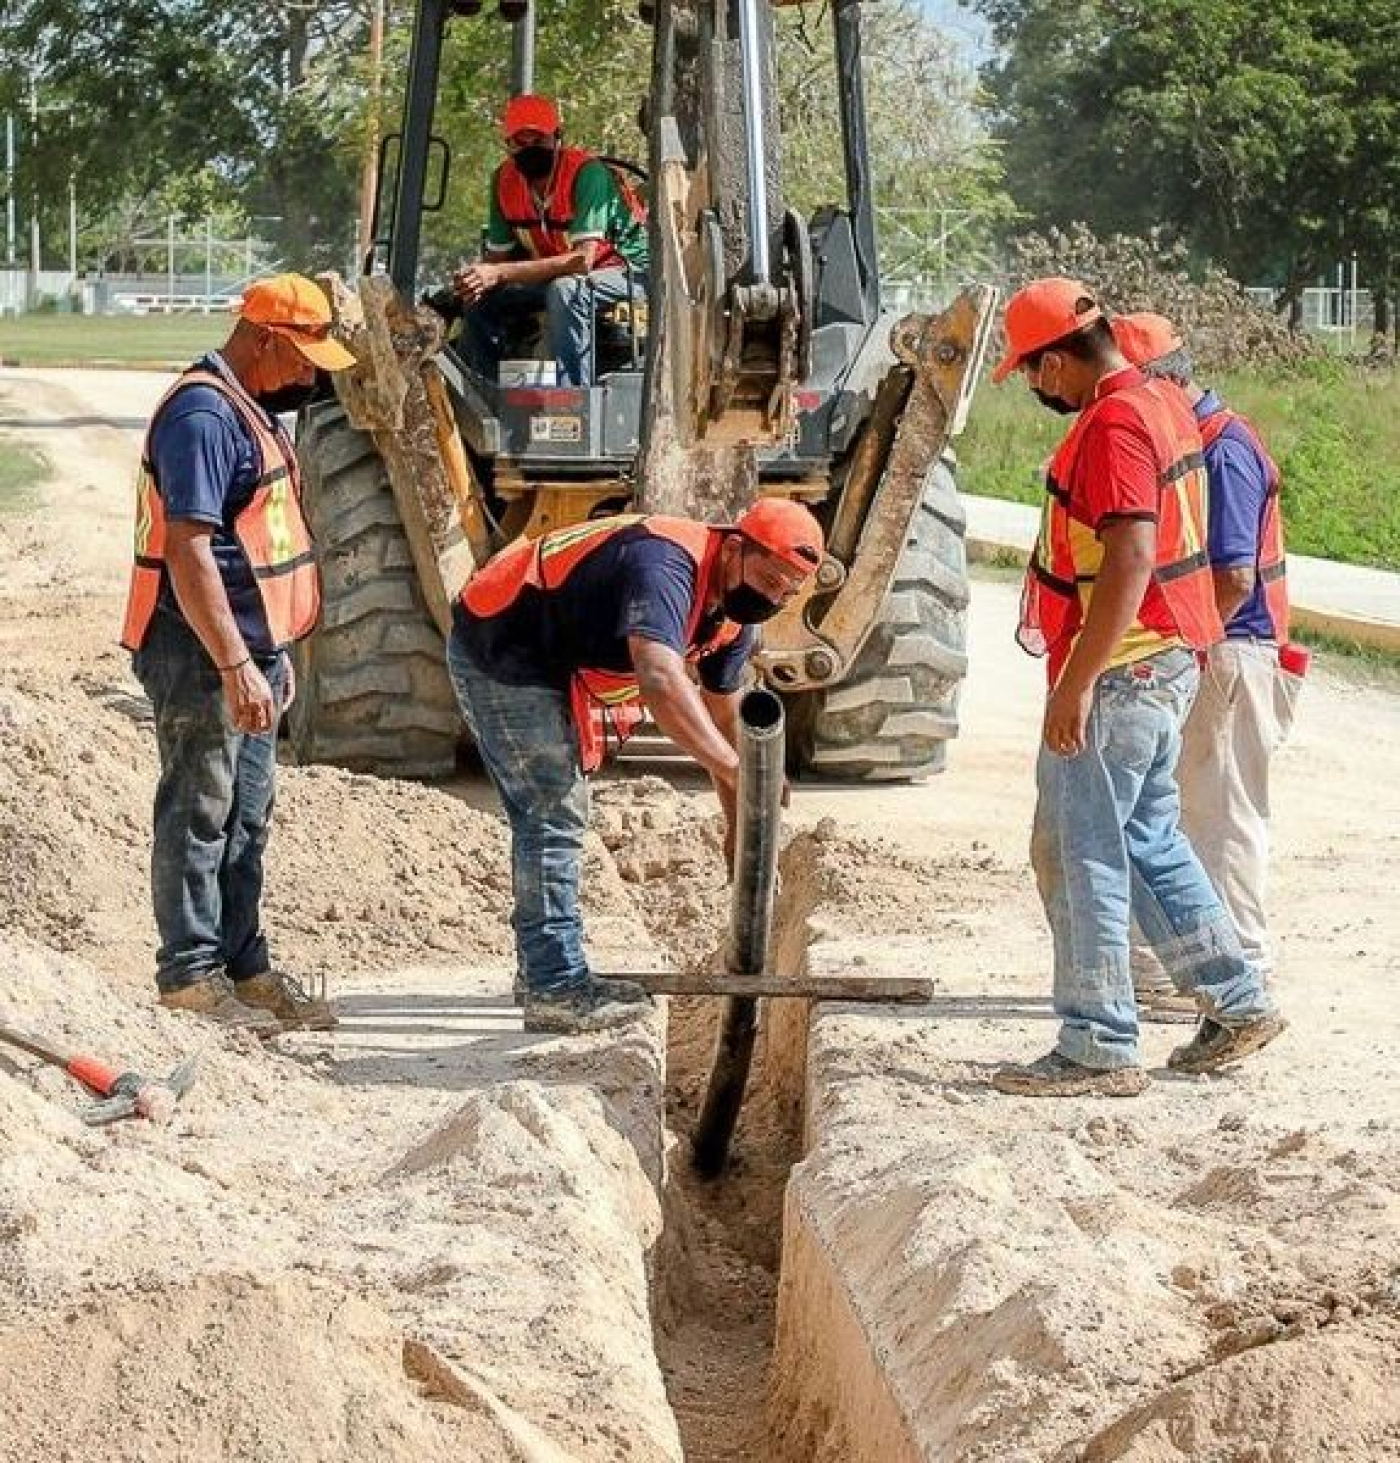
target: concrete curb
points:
(1001, 544)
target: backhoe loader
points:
(763, 364)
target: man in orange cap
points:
(1118, 598)
(562, 235)
(1251, 678)
(223, 581)
(560, 640)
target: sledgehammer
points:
(124, 1094)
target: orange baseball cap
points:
(529, 112)
(1145, 337)
(783, 528)
(294, 307)
(1045, 311)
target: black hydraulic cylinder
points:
(761, 760)
(860, 191)
(419, 101)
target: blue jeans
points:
(526, 738)
(1107, 845)
(213, 810)
(571, 305)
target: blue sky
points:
(959, 22)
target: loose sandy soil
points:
(426, 1236)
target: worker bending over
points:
(560, 639)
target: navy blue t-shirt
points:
(206, 464)
(634, 584)
(1239, 490)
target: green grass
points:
(125, 340)
(22, 473)
(1363, 665)
(1334, 431)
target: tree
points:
(1242, 128)
(197, 99)
(937, 175)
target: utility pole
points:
(10, 189)
(35, 249)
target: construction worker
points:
(1250, 679)
(223, 581)
(563, 235)
(560, 640)
(1118, 597)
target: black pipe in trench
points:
(761, 760)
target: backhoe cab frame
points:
(769, 368)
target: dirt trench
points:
(715, 1270)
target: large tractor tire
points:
(373, 692)
(891, 719)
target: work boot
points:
(290, 1001)
(1215, 1045)
(214, 998)
(601, 1005)
(1054, 1075)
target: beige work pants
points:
(1243, 714)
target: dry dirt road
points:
(337, 1233)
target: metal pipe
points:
(750, 62)
(750, 920)
(522, 52)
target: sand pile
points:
(359, 870)
(499, 1227)
(285, 1371)
(1209, 1273)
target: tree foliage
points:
(1266, 137)
(200, 107)
(157, 106)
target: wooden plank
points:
(881, 989)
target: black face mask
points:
(286, 399)
(1055, 403)
(536, 162)
(746, 606)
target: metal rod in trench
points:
(750, 920)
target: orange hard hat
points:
(783, 528)
(529, 112)
(294, 307)
(1145, 337)
(1045, 311)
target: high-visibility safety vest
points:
(1058, 575)
(271, 530)
(1270, 564)
(541, 227)
(600, 700)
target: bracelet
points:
(223, 670)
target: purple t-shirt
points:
(634, 584)
(1239, 491)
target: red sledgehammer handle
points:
(97, 1076)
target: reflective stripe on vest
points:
(1270, 561)
(1050, 600)
(542, 227)
(271, 530)
(600, 700)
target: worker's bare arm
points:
(194, 575)
(479, 279)
(680, 709)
